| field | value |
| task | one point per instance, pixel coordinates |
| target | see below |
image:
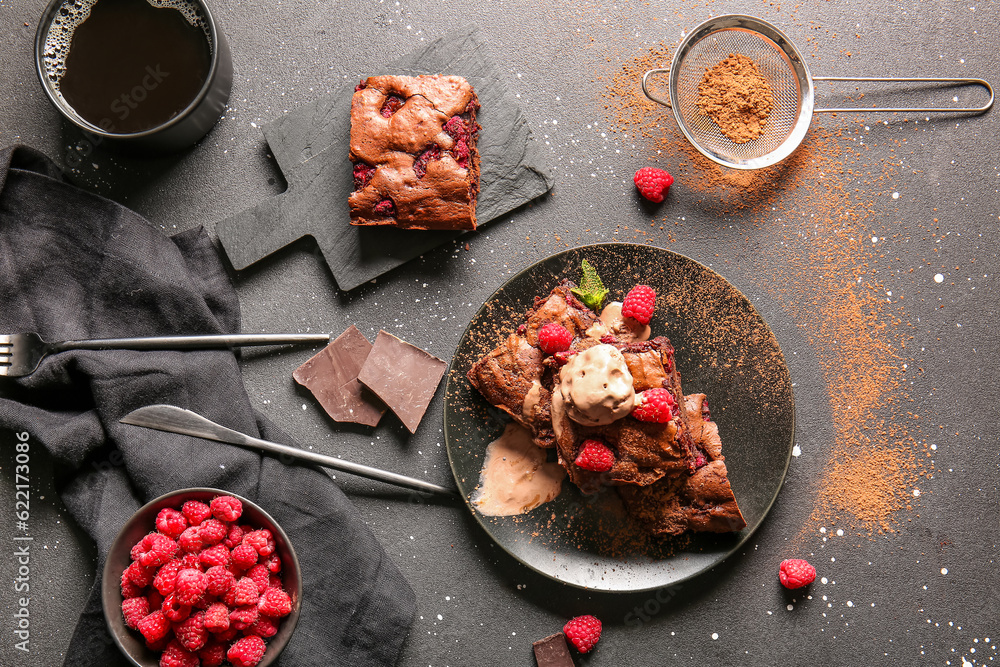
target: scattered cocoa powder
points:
(737, 97)
(812, 213)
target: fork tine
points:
(4, 339)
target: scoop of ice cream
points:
(596, 386)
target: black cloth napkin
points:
(74, 265)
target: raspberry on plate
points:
(654, 405)
(595, 456)
(554, 337)
(639, 303)
(796, 573)
(653, 183)
(583, 632)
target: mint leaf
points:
(591, 290)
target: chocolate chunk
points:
(332, 377)
(553, 651)
(402, 375)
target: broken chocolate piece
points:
(332, 377)
(402, 375)
(553, 651)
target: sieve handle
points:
(963, 82)
(645, 86)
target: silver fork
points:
(21, 353)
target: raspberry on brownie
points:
(414, 154)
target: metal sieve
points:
(786, 73)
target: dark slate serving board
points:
(311, 147)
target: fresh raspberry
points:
(245, 592)
(583, 632)
(274, 582)
(139, 548)
(244, 556)
(190, 540)
(261, 541)
(596, 456)
(217, 555)
(154, 626)
(796, 573)
(264, 627)
(213, 654)
(161, 550)
(171, 523)
(226, 508)
(235, 536)
(191, 632)
(242, 618)
(140, 575)
(212, 531)
(261, 576)
(274, 563)
(247, 651)
(129, 589)
(134, 610)
(653, 183)
(173, 610)
(196, 511)
(191, 561)
(275, 603)
(639, 303)
(166, 577)
(175, 655)
(217, 617)
(554, 337)
(220, 580)
(654, 405)
(190, 586)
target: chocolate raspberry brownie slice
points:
(414, 153)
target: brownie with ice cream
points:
(664, 460)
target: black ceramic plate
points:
(723, 349)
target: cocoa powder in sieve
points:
(737, 97)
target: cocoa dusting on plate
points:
(817, 210)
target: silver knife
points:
(173, 419)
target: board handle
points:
(253, 234)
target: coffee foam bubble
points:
(74, 12)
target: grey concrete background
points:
(924, 593)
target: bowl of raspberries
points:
(201, 578)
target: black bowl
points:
(142, 522)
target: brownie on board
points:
(414, 154)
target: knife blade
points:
(173, 419)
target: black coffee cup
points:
(105, 123)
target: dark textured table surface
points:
(872, 253)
